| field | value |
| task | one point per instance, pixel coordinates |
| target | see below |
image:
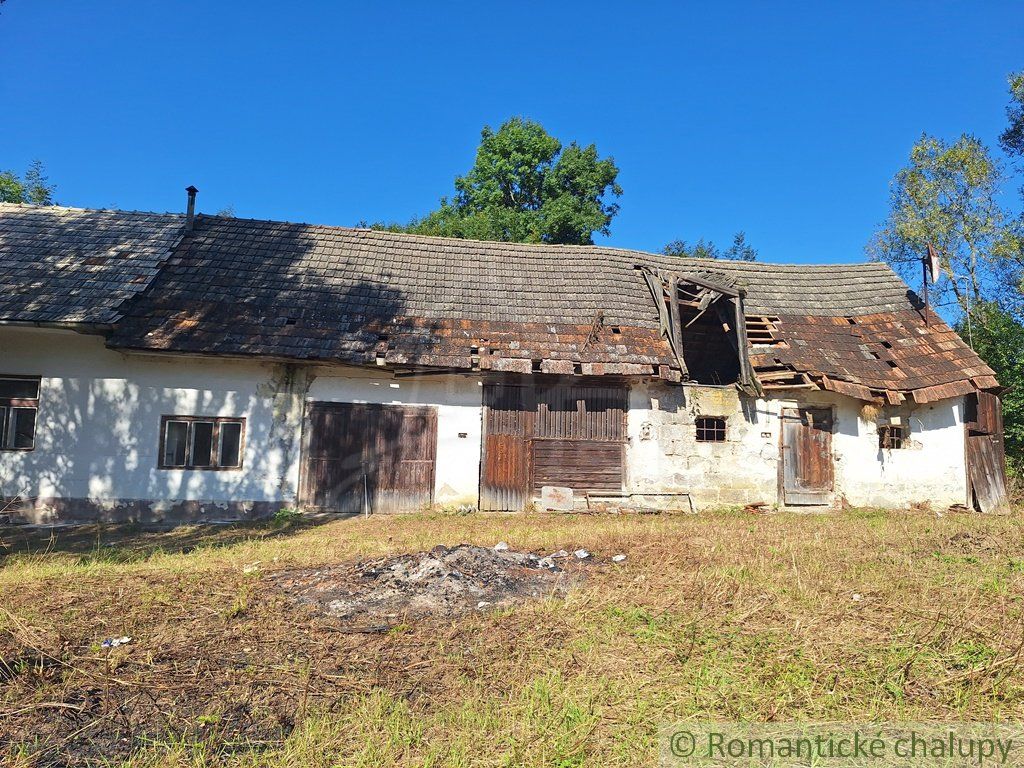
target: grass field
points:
(859, 615)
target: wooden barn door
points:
(509, 413)
(537, 435)
(986, 457)
(579, 438)
(364, 457)
(807, 472)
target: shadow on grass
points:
(132, 542)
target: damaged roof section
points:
(366, 297)
(882, 356)
(296, 291)
(73, 266)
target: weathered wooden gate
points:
(364, 457)
(986, 456)
(807, 475)
(538, 434)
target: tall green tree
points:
(1012, 142)
(33, 188)
(740, 250)
(526, 187)
(1012, 139)
(948, 195)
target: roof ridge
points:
(409, 237)
(597, 248)
(48, 208)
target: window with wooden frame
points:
(710, 429)
(19, 405)
(201, 442)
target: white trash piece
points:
(556, 498)
(618, 558)
(501, 546)
(582, 554)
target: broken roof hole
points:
(536, 366)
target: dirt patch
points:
(446, 581)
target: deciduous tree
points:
(948, 195)
(526, 187)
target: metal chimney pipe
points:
(190, 213)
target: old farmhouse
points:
(174, 367)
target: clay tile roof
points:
(300, 291)
(67, 265)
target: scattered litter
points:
(251, 567)
(445, 581)
(755, 507)
(501, 546)
(618, 558)
(559, 553)
(856, 597)
(581, 554)
(114, 642)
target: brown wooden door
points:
(807, 471)
(551, 434)
(365, 457)
(986, 456)
(509, 413)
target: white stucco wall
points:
(99, 419)
(663, 455)
(98, 426)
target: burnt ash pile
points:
(446, 581)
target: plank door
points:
(807, 472)
(580, 438)
(986, 456)
(509, 413)
(364, 457)
(540, 434)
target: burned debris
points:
(443, 582)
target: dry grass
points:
(853, 616)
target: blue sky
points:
(784, 120)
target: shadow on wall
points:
(259, 290)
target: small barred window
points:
(710, 429)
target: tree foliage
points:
(1012, 139)
(948, 195)
(740, 250)
(33, 188)
(526, 187)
